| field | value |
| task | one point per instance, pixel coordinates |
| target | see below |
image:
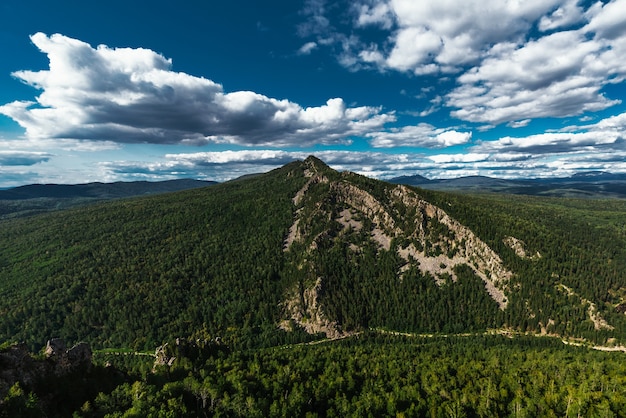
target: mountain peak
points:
(313, 162)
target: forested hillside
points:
(250, 271)
(303, 248)
(132, 273)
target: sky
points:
(136, 90)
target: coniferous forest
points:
(308, 292)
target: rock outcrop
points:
(163, 356)
(305, 310)
(519, 247)
(67, 361)
(18, 365)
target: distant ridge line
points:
(98, 190)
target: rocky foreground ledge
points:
(18, 365)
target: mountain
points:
(303, 252)
(306, 291)
(38, 198)
(414, 180)
(593, 184)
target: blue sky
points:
(137, 90)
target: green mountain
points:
(305, 252)
(309, 292)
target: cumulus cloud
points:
(615, 123)
(519, 123)
(447, 34)
(552, 142)
(423, 135)
(598, 146)
(608, 20)
(515, 61)
(555, 76)
(129, 95)
(374, 13)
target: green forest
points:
(212, 266)
(367, 375)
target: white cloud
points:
(129, 95)
(447, 34)
(615, 123)
(565, 15)
(552, 142)
(456, 158)
(608, 20)
(600, 146)
(374, 13)
(307, 48)
(422, 135)
(413, 49)
(29, 145)
(516, 61)
(558, 75)
(519, 123)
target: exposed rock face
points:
(80, 356)
(67, 361)
(306, 311)
(519, 247)
(461, 241)
(163, 356)
(295, 233)
(424, 235)
(55, 348)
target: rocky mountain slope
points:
(424, 236)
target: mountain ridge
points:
(39, 198)
(99, 190)
(129, 188)
(593, 184)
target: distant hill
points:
(99, 190)
(38, 198)
(594, 184)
